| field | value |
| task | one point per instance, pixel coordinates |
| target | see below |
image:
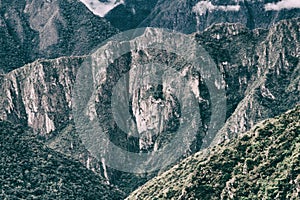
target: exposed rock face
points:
(261, 164)
(35, 29)
(276, 86)
(39, 94)
(150, 92)
(260, 69)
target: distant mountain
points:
(130, 14)
(260, 164)
(30, 170)
(35, 29)
(189, 16)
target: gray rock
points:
(47, 29)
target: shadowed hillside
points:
(30, 170)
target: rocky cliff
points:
(39, 94)
(260, 69)
(35, 29)
(44, 47)
(271, 76)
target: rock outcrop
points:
(261, 77)
(274, 66)
(34, 29)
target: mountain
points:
(260, 164)
(130, 14)
(262, 75)
(29, 169)
(38, 95)
(188, 16)
(34, 29)
(260, 69)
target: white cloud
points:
(203, 6)
(101, 8)
(284, 4)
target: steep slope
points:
(29, 170)
(38, 95)
(131, 14)
(263, 163)
(260, 69)
(242, 55)
(189, 16)
(268, 77)
(35, 29)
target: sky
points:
(100, 8)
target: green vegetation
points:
(263, 163)
(29, 170)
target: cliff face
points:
(276, 79)
(261, 164)
(35, 29)
(260, 69)
(257, 57)
(39, 94)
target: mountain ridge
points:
(39, 94)
(261, 164)
(47, 29)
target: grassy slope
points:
(263, 163)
